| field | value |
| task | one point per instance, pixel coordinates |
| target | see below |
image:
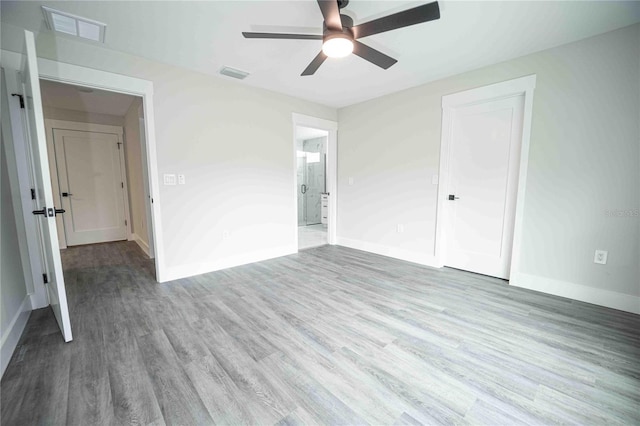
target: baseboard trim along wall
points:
(144, 246)
(583, 293)
(13, 333)
(185, 271)
(394, 252)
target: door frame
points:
(331, 127)
(51, 125)
(102, 80)
(520, 86)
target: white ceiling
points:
(58, 95)
(304, 133)
(206, 36)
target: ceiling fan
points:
(340, 38)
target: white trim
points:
(87, 77)
(13, 332)
(34, 284)
(583, 293)
(184, 271)
(332, 171)
(389, 251)
(20, 184)
(519, 86)
(144, 246)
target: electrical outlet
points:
(601, 257)
(181, 180)
(400, 228)
(226, 234)
(169, 179)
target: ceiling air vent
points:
(232, 72)
(74, 25)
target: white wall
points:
(14, 302)
(133, 154)
(52, 113)
(583, 161)
(231, 141)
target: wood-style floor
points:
(328, 336)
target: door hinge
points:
(125, 222)
(122, 185)
(33, 193)
(21, 99)
(45, 278)
(118, 143)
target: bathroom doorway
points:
(312, 193)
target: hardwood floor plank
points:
(327, 336)
(178, 399)
(134, 401)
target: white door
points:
(90, 177)
(37, 152)
(483, 179)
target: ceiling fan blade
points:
(331, 13)
(372, 55)
(417, 15)
(315, 64)
(283, 36)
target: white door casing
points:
(483, 172)
(37, 153)
(472, 102)
(91, 172)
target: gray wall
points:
(133, 154)
(12, 285)
(584, 161)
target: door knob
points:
(453, 197)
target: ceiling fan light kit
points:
(337, 46)
(339, 38)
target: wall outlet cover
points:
(601, 257)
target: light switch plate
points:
(434, 179)
(350, 180)
(181, 180)
(169, 179)
(601, 257)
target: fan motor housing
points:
(347, 23)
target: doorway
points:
(311, 155)
(483, 162)
(95, 142)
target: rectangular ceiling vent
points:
(232, 72)
(74, 25)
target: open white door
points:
(41, 181)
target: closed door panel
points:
(484, 162)
(90, 175)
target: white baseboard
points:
(184, 271)
(583, 293)
(12, 334)
(396, 253)
(143, 245)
